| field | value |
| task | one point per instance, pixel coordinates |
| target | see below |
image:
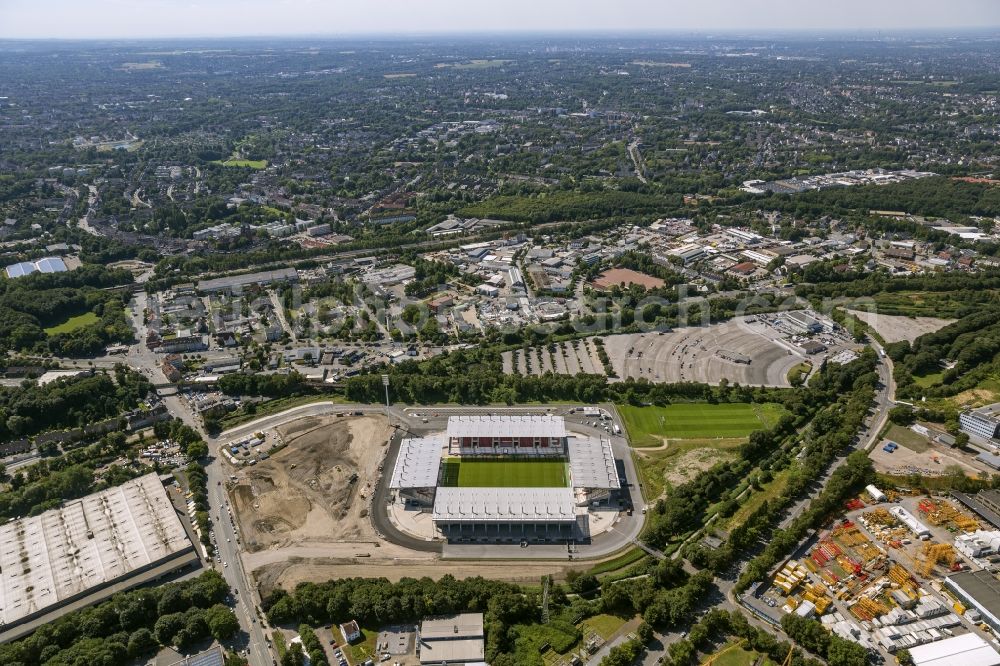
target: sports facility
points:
(504, 473)
(649, 426)
(506, 477)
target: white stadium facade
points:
(505, 513)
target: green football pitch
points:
(533, 473)
(647, 425)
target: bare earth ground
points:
(303, 494)
(291, 573)
(895, 329)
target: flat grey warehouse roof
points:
(49, 559)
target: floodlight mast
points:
(385, 383)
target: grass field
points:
(252, 164)
(908, 438)
(650, 426)
(734, 655)
(73, 323)
(505, 473)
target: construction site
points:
(880, 575)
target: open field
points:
(305, 492)
(895, 328)
(505, 473)
(733, 654)
(746, 351)
(675, 443)
(652, 426)
(906, 437)
(235, 162)
(73, 323)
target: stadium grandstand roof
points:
(506, 425)
(418, 463)
(504, 505)
(592, 463)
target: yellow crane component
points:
(711, 660)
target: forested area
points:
(131, 625)
(73, 402)
(30, 304)
(937, 197)
(568, 205)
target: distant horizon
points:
(143, 20)
(982, 31)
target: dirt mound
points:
(314, 489)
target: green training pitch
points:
(649, 426)
(533, 473)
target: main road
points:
(254, 642)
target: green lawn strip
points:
(603, 625)
(73, 323)
(735, 655)
(629, 557)
(251, 164)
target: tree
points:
(141, 642)
(222, 622)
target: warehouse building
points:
(979, 590)
(456, 639)
(43, 265)
(86, 551)
(236, 283)
(495, 434)
(967, 650)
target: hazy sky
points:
(172, 18)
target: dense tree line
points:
(273, 385)
(130, 625)
(374, 602)
(816, 638)
(568, 205)
(69, 403)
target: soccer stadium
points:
(506, 477)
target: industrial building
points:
(804, 322)
(979, 590)
(911, 522)
(980, 422)
(967, 650)
(456, 639)
(87, 550)
(236, 283)
(43, 265)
